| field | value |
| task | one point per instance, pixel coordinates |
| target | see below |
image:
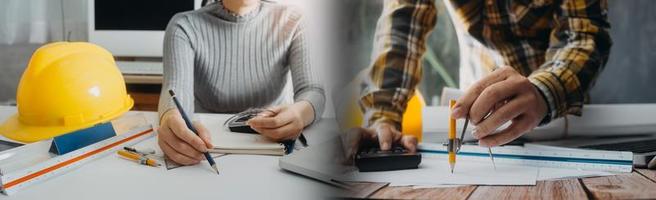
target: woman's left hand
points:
(284, 122)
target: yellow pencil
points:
(452, 138)
(138, 158)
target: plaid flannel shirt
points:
(560, 45)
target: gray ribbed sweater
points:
(217, 62)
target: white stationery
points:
(435, 171)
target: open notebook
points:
(244, 143)
(239, 143)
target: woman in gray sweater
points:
(233, 55)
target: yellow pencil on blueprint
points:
(451, 147)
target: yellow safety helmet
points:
(412, 120)
(412, 117)
(67, 86)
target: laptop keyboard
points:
(643, 146)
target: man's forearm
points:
(575, 58)
(399, 45)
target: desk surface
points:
(259, 177)
(242, 176)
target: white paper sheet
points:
(543, 175)
(434, 171)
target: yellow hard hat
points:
(412, 117)
(352, 115)
(67, 86)
(411, 123)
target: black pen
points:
(303, 140)
(191, 127)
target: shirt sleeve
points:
(307, 85)
(396, 69)
(578, 50)
(178, 61)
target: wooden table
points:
(641, 184)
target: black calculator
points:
(373, 159)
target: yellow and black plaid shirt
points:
(560, 45)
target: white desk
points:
(242, 177)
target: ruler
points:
(32, 163)
(595, 160)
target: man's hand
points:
(285, 122)
(181, 144)
(502, 96)
(382, 134)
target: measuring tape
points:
(595, 160)
(21, 177)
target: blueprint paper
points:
(435, 171)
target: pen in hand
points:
(187, 121)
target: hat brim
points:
(13, 129)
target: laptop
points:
(322, 162)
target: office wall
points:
(358, 21)
(13, 59)
(630, 76)
(25, 25)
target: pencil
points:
(209, 158)
(139, 158)
(452, 138)
(489, 150)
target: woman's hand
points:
(181, 144)
(502, 96)
(284, 122)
